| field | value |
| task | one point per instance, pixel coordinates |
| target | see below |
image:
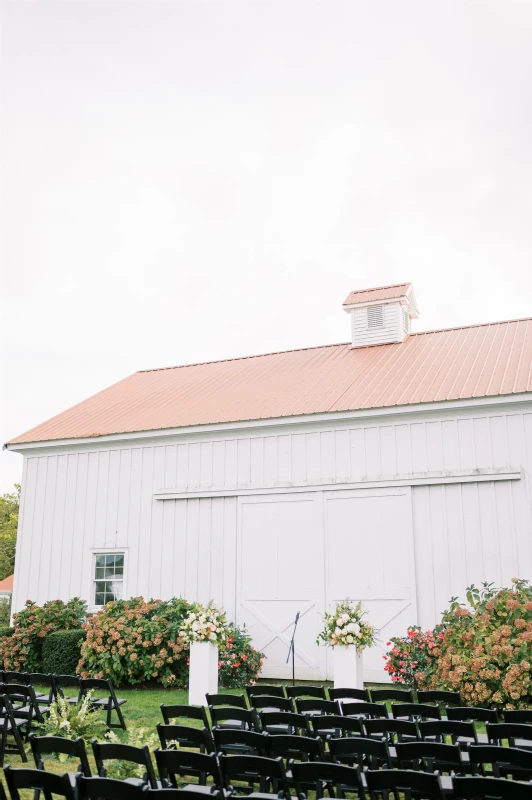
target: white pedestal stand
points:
(203, 674)
(348, 668)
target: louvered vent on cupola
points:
(382, 315)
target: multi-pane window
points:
(108, 577)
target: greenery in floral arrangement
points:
(23, 649)
(136, 737)
(347, 626)
(204, 624)
(239, 664)
(70, 720)
(484, 651)
(136, 641)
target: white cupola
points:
(382, 315)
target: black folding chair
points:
(385, 783)
(461, 733)
(110, 703)
(358, 751)
(25, 703)
(490, 789)
(110, 789)
(231, 741)
(265, 688)
(181, 794)
(364, 710)
(41, 679)
(315, 705)
(283, 722)
(11, 676)
(69, 682)
(171, 736)
(115, 751)
(295, 748)
(322, 775)
(515, 733)
(13, 726)
(415, 711)
(185, 764)
(46, 782)
(264, 702)
(397, 695)
(232, 717)
(472, 714)
(306, 691)
(334, 726)
(268, 774)
(393, 730)
(348, 694)
(504, 761)
(521, 715)
(439, 697)
(55, 745)
(429, 757)
(183, 712)
(236, 700)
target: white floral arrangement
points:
(204, 624)
(347, 626)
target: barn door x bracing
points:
(370, 557)
(305, 551)
(281, 573)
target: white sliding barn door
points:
(281, 572)
(370, 557)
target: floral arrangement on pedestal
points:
(204, 624)
(347, 626)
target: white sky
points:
(187, 181)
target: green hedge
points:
(5, 631)
(61, 651)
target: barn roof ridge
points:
(323, 346)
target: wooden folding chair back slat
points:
(174, 764)
(478, 788)
(110, 789)
(54, 745)
(184, 712)
(38, 780)
(104, 751)
(185, 736)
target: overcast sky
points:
(186, 181)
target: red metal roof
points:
(7, 584)
(477, 361)
(380, 293)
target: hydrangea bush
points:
(204, 625)
(239, 664)
(136, 641)
(347, 626)
(484, 651)
(23, 649)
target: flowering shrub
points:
(411, 654)
(239, 663)
(23, 649)
(347, 626)
(135, 641)
(72, 720)
(484, 652)
(204, 625)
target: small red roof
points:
(450, 364)
(7, 584)
(380, 293)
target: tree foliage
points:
(9, 507)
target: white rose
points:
(338, 631)
(195, 626)
(212, 636)
(349, 639)
(355, 628)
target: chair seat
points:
(103, 702)
(18, 723)
(197, 787)
(28, 710)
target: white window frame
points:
(106, 551)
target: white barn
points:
(395, 469)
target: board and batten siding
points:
(82, 498)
